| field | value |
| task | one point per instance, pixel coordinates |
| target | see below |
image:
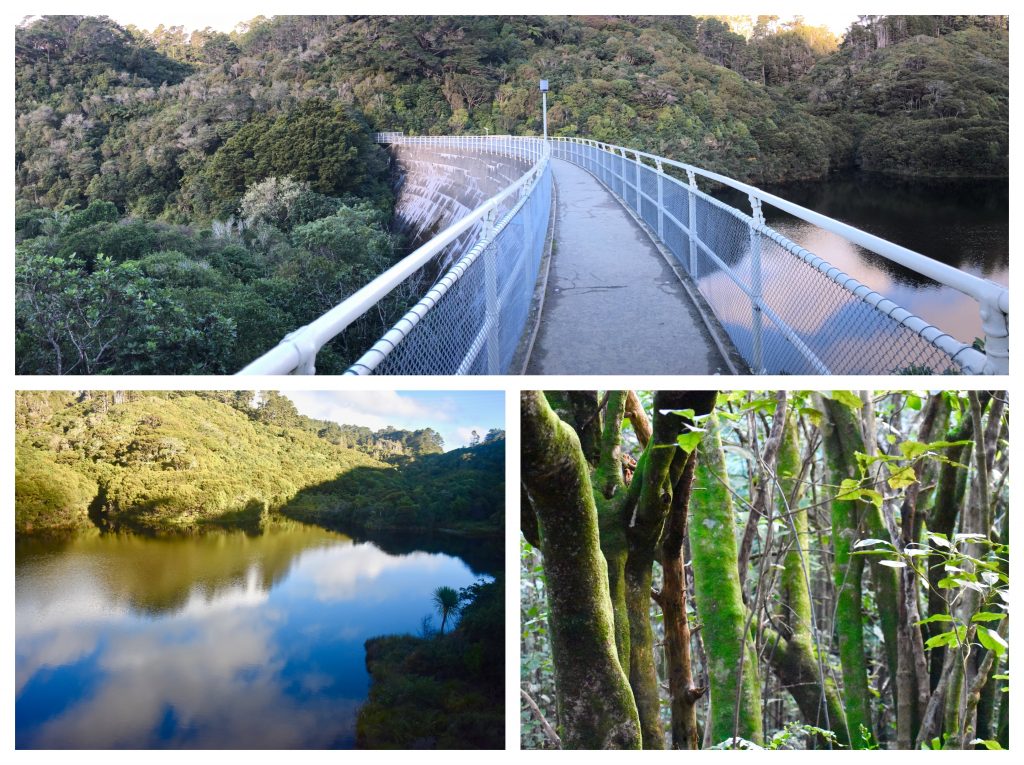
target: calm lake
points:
(964, 224)
(218, 641)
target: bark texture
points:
(683, 693)
(842, 438)
(732, 667)
(596, 709)
(794, 657)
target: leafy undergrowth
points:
(440, 691)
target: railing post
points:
(639, 198)
(493, 310)
(661, 201)
(306, 349)
(997, 339)
(692, 213)
(755, 285)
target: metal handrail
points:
(993, 299)
(370, 360)
(296, 353)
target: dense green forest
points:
(180, 462)
(441, 690)
(184, 200)
(773, 570)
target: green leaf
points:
(689, 441)
(902, 477)
(850, 489)
(914, 402)
(987, 616)
(935, 618)
(812, 414)
(911, 450)
(934, 445)
(892, 563)
(866, 542)
(970, 538)
(992, 640)
(872, 496)
(940, 540)
(989, 743)
(847, 398)
(849, 485)
(951, 638)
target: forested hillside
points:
(185, 200)
(181, 462)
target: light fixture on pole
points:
(544, 98)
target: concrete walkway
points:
(613, 305)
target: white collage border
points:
(511, 385)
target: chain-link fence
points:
(786, 310)
(470, 320)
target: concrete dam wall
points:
(438, 186)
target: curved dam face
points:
(437, 186)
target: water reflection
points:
(964, 224)
(210, 642)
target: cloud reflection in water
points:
(246, 661)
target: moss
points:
(613, 547)
(719, 600)
(595, 704)
(848, 570)
(795, 659)
(643, 676)
(795, 574)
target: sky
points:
(453, 414)
(224, 16)
(192, 14)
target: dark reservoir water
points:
(220, 641)
(964, 224)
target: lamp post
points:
(544, 100)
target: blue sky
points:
(453, 414)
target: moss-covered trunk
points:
(732, 668)
(643, 676)
(655, 478)
(796, 666)
(795, 658)
(842, 437)
(596, 709)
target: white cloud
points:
(346, 577)
(374, 409)
(465, 434)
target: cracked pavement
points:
(613, 305)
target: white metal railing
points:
(735, 257)
(802, 314)
(506, 222)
